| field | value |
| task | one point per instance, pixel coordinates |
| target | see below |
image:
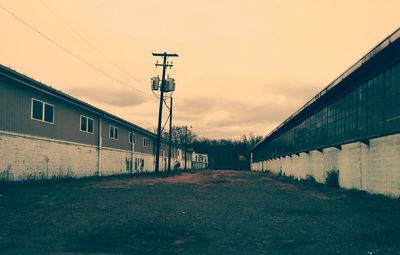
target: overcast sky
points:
(244, 66)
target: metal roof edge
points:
(373, 52)
(28, 81)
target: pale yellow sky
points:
(244, 66)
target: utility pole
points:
(186, 133)
(170, 135)
(164, 65)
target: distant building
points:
(353, 125)
(45, 133)
(199, 161)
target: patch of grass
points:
(310, 179)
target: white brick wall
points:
(317, 168)
(330, 155)
(374, 168)
(287, 165)
(114, 161)
(383, 172)
(25, 157)
(304, 165)
(295, 168)
(30, 158)
(350, 164)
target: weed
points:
(310, 178)
(6, 174)
(332, 178)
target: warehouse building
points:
(199, 161)
(352, 126)
(45, 133)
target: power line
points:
(88, 42)
(72, 53)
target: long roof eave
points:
(27, 81)
(378, 48)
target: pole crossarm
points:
(165, 54)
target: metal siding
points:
(123, 136)
(15, 116)
(139, 143)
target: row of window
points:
(42, 111)
(371, 109)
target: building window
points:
(86, 124)
(113, 132)
(146, 142)
(42, 111)
(132, 137)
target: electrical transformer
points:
(155, 83)
(169, 85)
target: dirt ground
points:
(210, 212)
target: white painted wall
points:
(350, 164)
(304, 165)
(317, 169)
(25, 157)
(287, 166)
(374, 168)
(114, 161)
(383, 172)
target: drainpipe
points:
(100, 146)
(133, 150)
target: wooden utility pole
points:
(170, 135)
(164, 65)
(186, 133)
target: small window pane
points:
(48, 113)
(83, 123)
(115, 133)
(90, 126)
(37, 110)
(111, 132)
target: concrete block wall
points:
(304, 165)
(256, 166)
(317, 169)
(268, 165)
(374, 168)
(287, 165)
(114, 161)
(25, 157)
(350, 164)
(149, 163)
(383, 172)
(330, 155)
(295, 168)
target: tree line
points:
(227, 153)
(222, 153)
